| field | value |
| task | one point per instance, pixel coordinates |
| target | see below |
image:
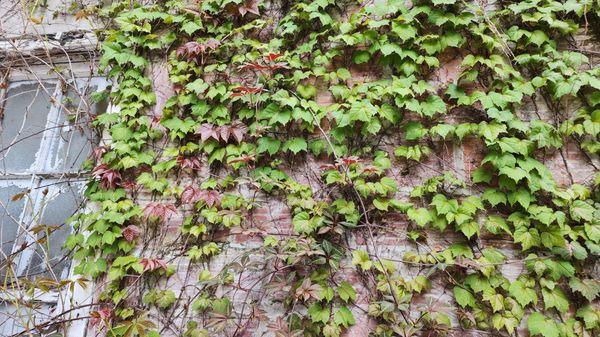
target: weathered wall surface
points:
(49, 32)
(257, 284)
(254, 290)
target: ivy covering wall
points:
(353, 87)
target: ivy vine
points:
(262, 87)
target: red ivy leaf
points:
(155, 123)
(211, 197)
(207, 130)
(192, 163)
(98, 152)
(131, 232)
(272, 57)
(370, 169)
(250, 6)
(102, 315)
(350, 160)
(192, 50)
(225, 132)
(239, 130)
(108, 178)
(212, 43)
(243, 91)
(242, 159)
(130, 186)
(307, 290)
(254, 66)
(153, 264)
(191, 194)
(161, 211)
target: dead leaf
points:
(250, 6)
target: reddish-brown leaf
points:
(245, 158)
(211, 197)
(225, 132)
(254, 66)
(131, 232)
(101, 315)
(370, 169)
(108, 178)
(239, 130)
(307, 290)
(272, 57)
(191, 194)
(193, 163)
(153, 264)
(350, 160)
(192, 50)
(161, 211)
(243, 91)
(98, 152)
(249, 6)
(19, 196)
(207, 130)
(130, 186)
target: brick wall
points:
(252, 283)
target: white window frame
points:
(44, 171)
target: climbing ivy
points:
(263, 86)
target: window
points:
(44, 140)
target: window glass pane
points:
(75, 137)
(56, 207)
(10, 212)
(24, 120)
(15, 320)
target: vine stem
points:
(365, 212)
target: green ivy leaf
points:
(361, 56)
(268, 144)
(190, 27)
(307, 91)
(319, 313)
(295, 145)
(589, 288)
(521, 196)
(527, 237)
(590, 316)
(496, 300)
(166, 299)
(581, 210)
(539, 325)
(514, 173)
(343, 74)
(555, 298)
(469, 228)
(346, 292)
(433, 104)
(404, 31)
(522, 294)
(361, 258)
(538, 37)
(198, 86)
(481, 175)
(495, 224)
(494, 197)
(464, 297)
(343, 316)
(421, 216)
(514, 145)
